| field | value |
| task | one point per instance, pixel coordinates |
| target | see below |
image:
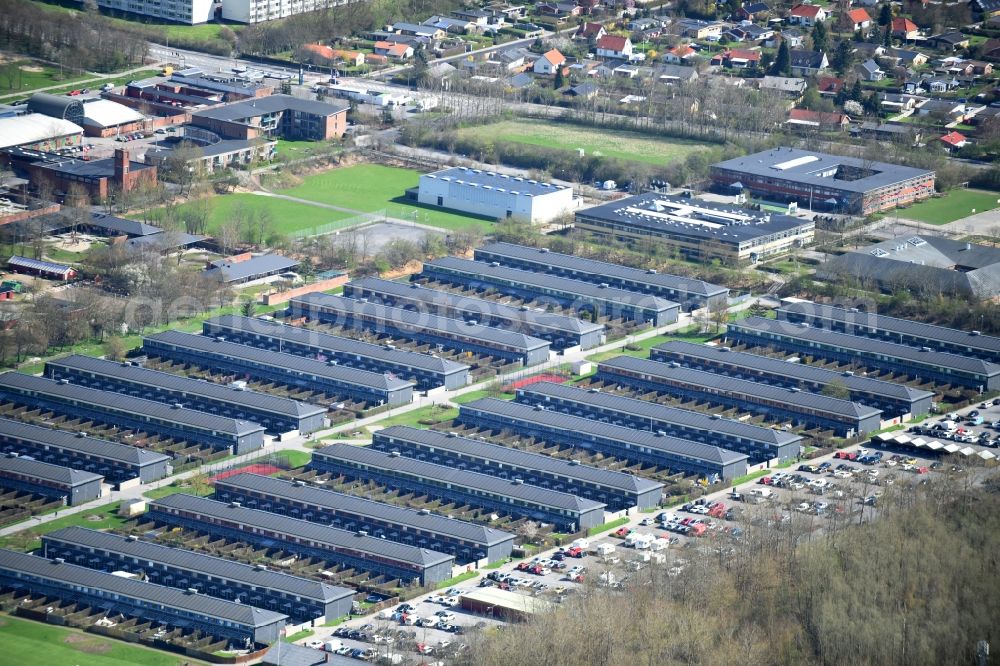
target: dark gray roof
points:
(45, 471)
(168, 240)
(265, 264)
(20, 383)
(575, 288)
(330, 538)
(290, 362)
(199, 562)
(693, 218)
(714, 382)
(548, 260)
(803, 58)
(133, 589)
(496, 180)
(290, 654)
(38, 265)
(91, 446)
(509, 457)
(801, 371)
(407, 319)
(57, 106)
(663, 413)
(134, 374)
(122, 225)
(800, 332)
(585, 428)
(342, 503)
(476, 307)
(828, 313)
(252, 108)
(810, 167)
(395, 463)
(335, 343)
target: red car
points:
(575, 552)
(766, 480)
(623, 532)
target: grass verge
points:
(457, 580)
(607, 527)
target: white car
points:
(445, 616)
(314, 644)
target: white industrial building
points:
(495, 195)
(181, 11)
(102, 117)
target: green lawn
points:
(304, 148)
(176, 488)
(27, 642)
(630, 146)
(373, 187)
(295, 458)
(103, 518)
(413, 417)
(472, 396)
(288, 216)
(607, 527)
(24, 75)
(953, 206)
(457, 580)
(298, 636)
(690, 334)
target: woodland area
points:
(917, 585)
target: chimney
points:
(121, 165)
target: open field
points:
(953, 206)
(630, 146)
(69, 84)
(372, 187)
(27, 642)
(24, 75)
(287, 216)
(102, 518)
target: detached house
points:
(753, 11)
(549, 63)
(904, 28)
(858, 19)
(807, 63)
(870, 71)
(954, 141)
(396, 51)
(806, 15)
(590, 31)
(613, 46)
(680, 55)
(737, 59)
(818, 119)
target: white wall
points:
(492, 202)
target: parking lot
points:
(809, 496)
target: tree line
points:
(915, 584)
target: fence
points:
(341, 225)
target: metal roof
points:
(342, 503)
(105, 113)
(290, 654)
(168, 240)
(333, 343)
(389, 462)
(71, 574)
(475, 308)
(45, 471)
(330, 538)
(509, 457)
(259, 106)
(265, 264)
(38, 265)
(21, 384)
(484, 271)
(34, 127)
(122, 225)
(663, 413)
(806, 333)
(585, 428)
(716, 383)
(872, 320)
(480, 178)
(776, 366)
(291, 362)
(136, 375)
(407, 319)
(547, 260)
(199, 562)
(91, 446)
(57, 106)
(813, 168)
(691, 218)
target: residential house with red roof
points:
(737, 59)
(858, 19)
(807, 15)
(904, 28)
(818, 119)
(680, 55)
(394, 51)
(613, 46)
(549, 63)
(954, 141)
(590, 31)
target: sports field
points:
(21, 75)
(373, 187)
(953, 206)
(287, 216)
(630, 146)
(28, 642)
